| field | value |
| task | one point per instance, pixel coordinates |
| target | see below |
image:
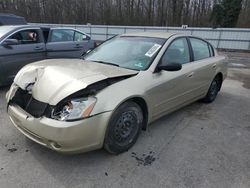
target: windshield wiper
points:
(107, 63)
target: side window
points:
(200, 49)
(62, 35)
(79, 37)
(26, 37)
(177, 52)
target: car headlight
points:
(74, 109)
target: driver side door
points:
(30, 48)
(172, 90)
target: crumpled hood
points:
(58, 78)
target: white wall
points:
(226, 38)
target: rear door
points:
(31, 48)
(66, 43)
(204, 63)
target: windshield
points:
(135, 53)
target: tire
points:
(124, 128)
(213, 90)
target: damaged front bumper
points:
(65, 137)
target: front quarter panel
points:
(114, 95)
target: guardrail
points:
(224, 38)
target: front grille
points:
(28, 103)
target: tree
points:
(217, 16)
(232, 10)
(244, 18)
(196, 13)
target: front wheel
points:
(124, 128)
(213, 90)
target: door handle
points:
(78, 46)
(190, 75)
(37, 48)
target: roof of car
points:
(34, 26)
(17, 26)
(8, 14)
(164, 35)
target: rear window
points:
(62, 35)
(200, 49)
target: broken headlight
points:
(74, 109)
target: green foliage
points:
(217, 16)
(232, 10)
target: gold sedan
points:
(106, 98)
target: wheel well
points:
(141, 102)
(220, 76)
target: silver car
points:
(20, 45)
(117, 90)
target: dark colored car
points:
(21, 45)
(11, 19)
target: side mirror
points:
(87, 38)
(170, 67)
(84, 37)
(9, 42)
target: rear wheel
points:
(213, 90)
(124, 128)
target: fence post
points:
(219, 39)
(90, 31)
(107, 32)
